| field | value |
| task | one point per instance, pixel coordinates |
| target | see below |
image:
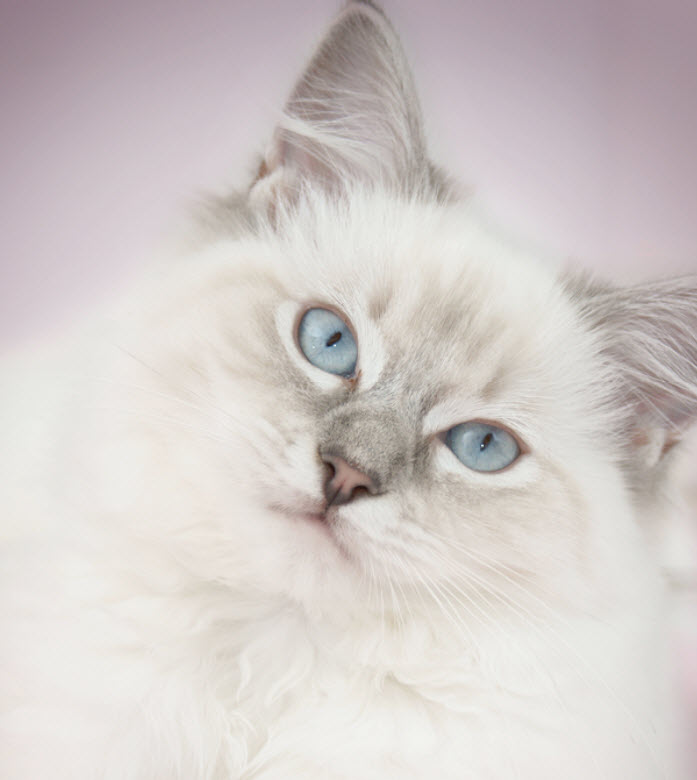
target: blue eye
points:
(482, 447)
(326, 341)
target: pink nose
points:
(344, 481)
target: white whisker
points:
(586, 671)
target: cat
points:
(356, 486)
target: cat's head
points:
(400, 403)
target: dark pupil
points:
(486, 441)
(333, 339)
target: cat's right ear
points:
(353, 116)
(647, 335)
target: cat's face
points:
(448, 326)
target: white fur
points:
(170, 606)
(159, 621)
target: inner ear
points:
(353, 115)
(648, 337)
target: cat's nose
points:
(344, 482)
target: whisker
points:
(549, 632)
(206, 407)
(451, 613)
(268, 429)
(508, 637)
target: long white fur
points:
(165, 610)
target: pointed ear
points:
(353, 115)
(649, 336)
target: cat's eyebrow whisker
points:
(120, 383)
(160, 419)
(210, 402)
(206, 407)
(149, 416)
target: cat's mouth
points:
(314, 511)
(316, 516)
(313, 517)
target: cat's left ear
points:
(648, 334)
(352, 117)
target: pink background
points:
(575, 121)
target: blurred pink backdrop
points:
(574, 122)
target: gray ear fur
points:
(353, 116)
(648, 334)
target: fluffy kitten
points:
(356, 488)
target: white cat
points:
(356, 488)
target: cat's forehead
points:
(441, 292)
(382, 248)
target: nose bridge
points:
(375, 440)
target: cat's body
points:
(182, 597)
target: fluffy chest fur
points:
(201, 682)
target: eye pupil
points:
(486, 441)
(334, 339)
